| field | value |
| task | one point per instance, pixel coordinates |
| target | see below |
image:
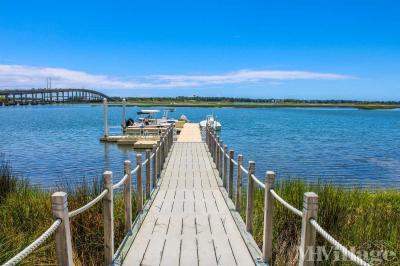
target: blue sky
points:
(259, 49)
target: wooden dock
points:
(189, 221)
(185, 215)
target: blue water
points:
(48, 144)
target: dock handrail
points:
(61, 224)
(309, 226)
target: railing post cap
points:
(251, 162)
(310, 200)
(107, 175)
(104, 100)
(270, 173)
(124, 100)
(59, 197)
(127, 162)
(138, 157)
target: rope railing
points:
(62, 216)
(34, 245)
(88, 205)
(244, 170)
(234, 162)
(286, 204)
(135, 170)
(347, 253)
(310, 204)
(145, 161)
(258, 181)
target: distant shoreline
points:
(256, 105)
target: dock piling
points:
(147, 174)
(139, 182)
(105, 109)
(308, 233)
(250, 198)
(268, 212)
(128, 196)
(154, 164)
(63, 232)
(123, 112)
(230, 183)
(239, 183)
(108, 214)
(225, 168)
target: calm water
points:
(351, 147)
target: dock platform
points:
(190, 221)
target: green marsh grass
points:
(366, 220)
(25, 213)
(359, 218)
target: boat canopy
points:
(147, 112)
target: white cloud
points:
(12, 76)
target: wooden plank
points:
(189, 222)
(189, 241)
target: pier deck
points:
(189, 221)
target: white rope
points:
(258, 181)
(235, 163)
(117, 185)
(222, 149)
(284, 203)
(227, 156)
(26, 251)
(244, 170)
(152, 155)
(145, 161)
(337, 245)
(134, 170)
(88, 205)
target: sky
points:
(256, 49)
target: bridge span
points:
(46, 96)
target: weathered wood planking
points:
(189, 222)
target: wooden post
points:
(108, 214)
(225, 169)
(250, 198)
(268, 210)
(308, 233)
(123, 112)
(128, 196)
(148, 174)
(62, 236)
(105, 107)
(220, 159)
(158, 155)
(239, 183)
(154, 170)
(230, 184)
(162, 151)
(139, 182)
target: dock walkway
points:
(189, 222)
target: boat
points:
(212, 122)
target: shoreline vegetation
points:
(223, 102)
(363, 219)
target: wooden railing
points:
(222, 159)
(62, 217)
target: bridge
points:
(46, 96)
(188, 209)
